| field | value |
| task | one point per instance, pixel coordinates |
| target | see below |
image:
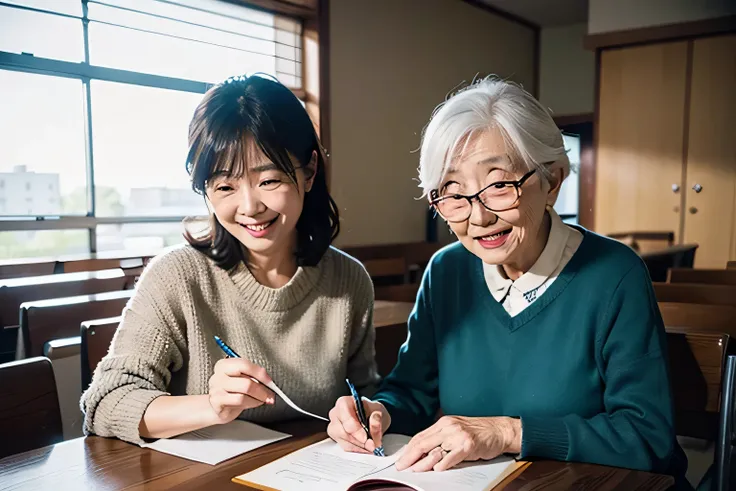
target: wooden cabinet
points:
(640, 134)
(666, 146)
(710, 214)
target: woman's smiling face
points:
(262, 207)
(503, 237)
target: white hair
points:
(532, 138)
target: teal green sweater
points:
(584, 366)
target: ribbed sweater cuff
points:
(129, 412)
(544, 437)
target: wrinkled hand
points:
(232, 389)
(346, 430)
(454, 439)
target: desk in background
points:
(389, 319)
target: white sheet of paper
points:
(218, 443)
(324, 466)
(272, 385)
(467, 476)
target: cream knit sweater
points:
(309, 335)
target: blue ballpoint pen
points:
(227, 349)
(362, 418)
(232, 354)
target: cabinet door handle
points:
(675, 188)
(693, 210)
(697, 187)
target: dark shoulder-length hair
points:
(257, 110)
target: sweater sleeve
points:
(410, 392)
(636, 430)
(137, 369)
(362, 370)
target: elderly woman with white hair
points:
(533, 337)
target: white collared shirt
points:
(517, 295)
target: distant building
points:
(29, 193)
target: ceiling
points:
(545, 12)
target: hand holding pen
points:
(236, 385)
(357, 424)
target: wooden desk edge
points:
(508, 479)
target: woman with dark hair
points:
(263, 277)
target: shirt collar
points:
(543, 268)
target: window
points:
(140, 144)
(129, 73)
(42, 128)
(20, 28)
(139, 236)
(203, 40)
(34, 243)
(179, 41)
(567, 201)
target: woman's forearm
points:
(169, 416)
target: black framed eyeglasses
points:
(496, 197)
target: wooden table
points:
(387, 313)
(102, 464)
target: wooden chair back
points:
(699, 317)
(22, 268)
(697, 360)
(707, 276)
(696, 293)
(381, 268)
(126, 260)
(660, 261)
(96, 336)
(132, 266)
(398, 293)
(44, 320)
(29, 406)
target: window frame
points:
(85, 72)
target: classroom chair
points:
(96, 336)
(29, 406)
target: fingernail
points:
(270, 400)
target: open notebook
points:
(324, 466)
